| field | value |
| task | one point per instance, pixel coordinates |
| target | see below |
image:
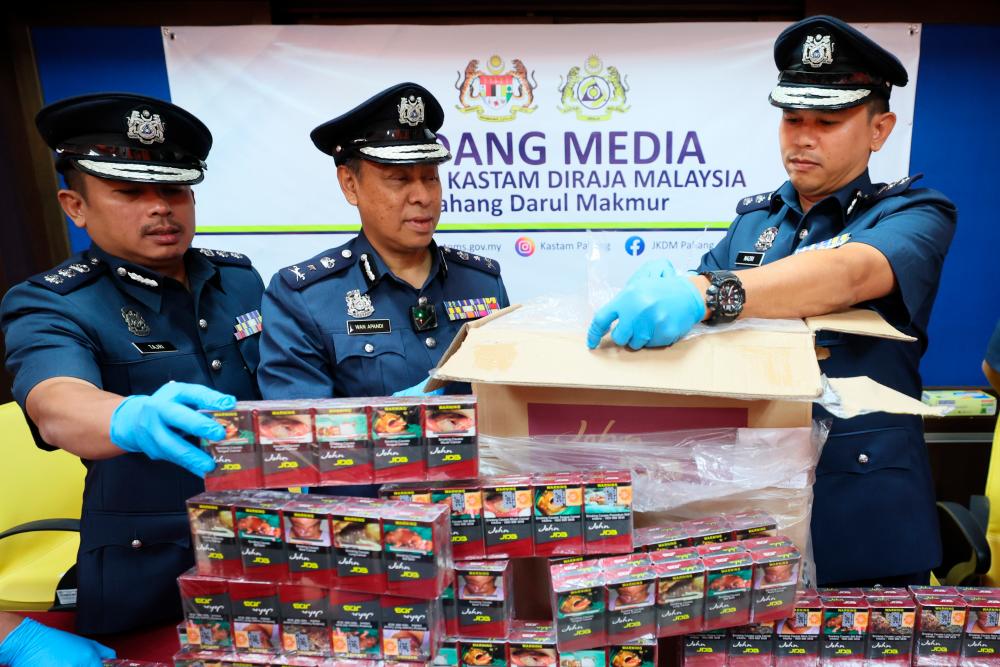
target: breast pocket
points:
(148, 374)
(249, 349)
(372, 365)
(865, 452)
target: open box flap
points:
(860, 321)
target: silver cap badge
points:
(146, 127)
(817, 51)
(411, 111)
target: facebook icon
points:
(634, 245)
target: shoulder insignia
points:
(754, 203)
(70, 275)
(882, 191)
(225, 256)
(485, 264)
(327, 263)
(896, 187)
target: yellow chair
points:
(970, 535)
(40, 497)
(992, 577)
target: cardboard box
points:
(305, 619)
(981, 643)
(680, 597)
(962, 403)
(483, 592)
(845, 630)
(940, 626)
(890, 630)
(754, 378)
(308, 541)
(797, 641)
(256, 616)
(213, 534)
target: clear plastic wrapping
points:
(680, 475)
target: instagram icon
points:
(524, 246)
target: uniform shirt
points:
(339, 324)
(874, 512)
(128, 330)
(993, 349)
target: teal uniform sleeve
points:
(294, 361)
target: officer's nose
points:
(420, 192)
(158, 201)
(805, 137)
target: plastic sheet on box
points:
(688, 474)
(573, 313)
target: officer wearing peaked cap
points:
(826, 240)
(114, 350)
(371, 317)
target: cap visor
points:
(406, 154)
(140, 172)
(814, 97)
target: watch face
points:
(731, 297)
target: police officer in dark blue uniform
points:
(371, 317)
(114, 350)
(828, 239)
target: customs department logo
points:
(817, 51)
(594, 93)
(411, 111)
(497, 94)
(145, 126)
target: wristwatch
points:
(724, 298)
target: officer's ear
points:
(74, 206)
(881, 127)
(348, 179)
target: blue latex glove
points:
(651, 312)
(654, 268)
(155, 425)
(32, 644)
(418, 390)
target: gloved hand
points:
(651, 312)
(418, 390)
(32, 644)
(155, 425)
(654, 268)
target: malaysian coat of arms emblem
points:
(595, 92)
(497, 94)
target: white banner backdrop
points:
(649, 133)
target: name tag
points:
(154, 348)
(364, 327)
(749, 258)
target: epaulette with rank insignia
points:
(70, 275)
(485, 264)
(225, 256)
(327, 263)
(882, 191)
(896, 187)
(754, 203)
